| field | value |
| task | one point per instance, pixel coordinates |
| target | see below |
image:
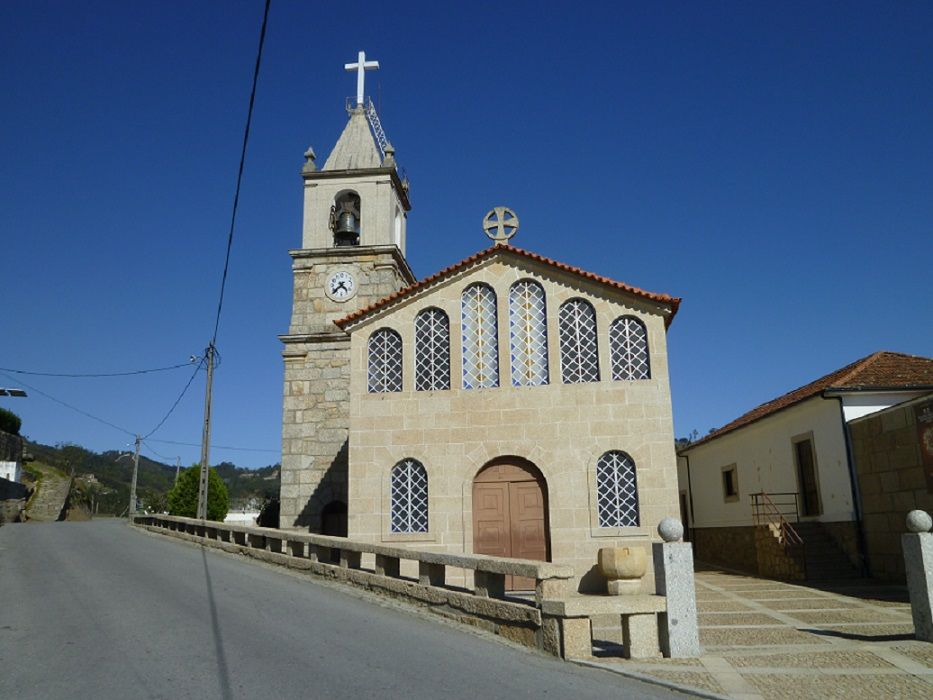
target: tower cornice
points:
(363, 172)
(344, 253)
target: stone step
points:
(49, 501)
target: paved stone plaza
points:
(767, 639)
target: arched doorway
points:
(334, 519)
(510, 514)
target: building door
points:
(510, 515)
(806, 477)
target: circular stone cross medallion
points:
(500, 224)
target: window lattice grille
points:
(528, 334)
(432, 350)
(409, 487)
(480, 337)
(385, 361)
(579, 355)
(616, 490)
(628, 346)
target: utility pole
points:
(177, 468)
(206, 437)
(135, 472)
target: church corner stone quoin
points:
(508, 405)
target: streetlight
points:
(13, 392)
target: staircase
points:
(825, 560)
(48, 502)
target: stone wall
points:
(891, 480)
(11, 447)
(731, 547)
(316, 411)
(13, 498)
(845, 535)
(776, 561)
(562, 429)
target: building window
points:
(528, 334)
(385, 361)
(628, 346)
(480, 337)
(616, 490)
(409, 489)
(730, 483)
(432, 350)
(579, 356)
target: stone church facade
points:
(508, 405)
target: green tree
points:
(183, 498)
(9, 422)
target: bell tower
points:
(352, 254)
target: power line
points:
(208, 390)
(177, 401)
(157, 454)
(68, 405)
(239, 177)
(215, 447)
(96, 374)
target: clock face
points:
(340, 285)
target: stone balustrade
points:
(556, 620)
(485, 604)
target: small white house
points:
(12, 471)
(790, 460)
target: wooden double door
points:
(510, 515)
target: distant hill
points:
(111, 493)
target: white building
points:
(12, 471)
(790, 459)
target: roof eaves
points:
(672, 302)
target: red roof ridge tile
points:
(674, 302)
(847, 377)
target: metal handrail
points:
(766, 512)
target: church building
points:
(509, 404)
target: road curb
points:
(653, 680)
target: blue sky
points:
(771, 163)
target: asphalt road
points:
(101, 610)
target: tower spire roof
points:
(356, 148)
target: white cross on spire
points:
(361, 66)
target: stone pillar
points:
(673, 577)
(917, 544)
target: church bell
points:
(346, 227)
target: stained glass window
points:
(579, 354)
(432, 350)
(628, 347)
(385, 361)
(409, 494)
(616, 490)
(480, 337)
(528, 334)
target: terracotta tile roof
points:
(673, 302)
(878, 371)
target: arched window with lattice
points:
(628, 347)
(385, 361)
(480, 337)
(432, 350)
(528, 333)
(409, 497)
(579, 351)
(616, 490)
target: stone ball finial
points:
(309, 166)
(919, 521)
(670, 529)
